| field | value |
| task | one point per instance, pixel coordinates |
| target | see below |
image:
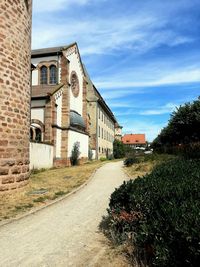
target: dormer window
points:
(53, 74)
(43, 75)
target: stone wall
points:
(15, 38)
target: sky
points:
(142, 56)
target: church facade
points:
(58, 102)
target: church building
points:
(58, 102)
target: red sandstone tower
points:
(15, 73)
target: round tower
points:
(15, 74)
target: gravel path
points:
(66, 233)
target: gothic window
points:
(53, 74)
(43, 75)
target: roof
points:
(50, 50)
(134, 139)
(103, 104)
(76, 119)
(44, 90)
(53, 51)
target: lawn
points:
(44, 187)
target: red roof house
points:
(134, 139)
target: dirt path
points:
(64, 234)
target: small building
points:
(58, 102)
(134, 140)
(118, 132)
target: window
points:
(99, 114)
(31, 134)
(99, 131)
(53, 74)
(43, 75)
(102, 133)
(38, 135)
(99, 150)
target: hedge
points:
(159, 215)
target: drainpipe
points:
(97, 129)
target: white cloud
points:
(42, 6)
(168, 108)
(178, 76)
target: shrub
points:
(130, 161)
(75, 154)
(159, 214)
(103, 159)
(118, 149)
(90, 154)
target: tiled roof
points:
(44, 90)
(134, 139)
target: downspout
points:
(97, 134)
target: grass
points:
(146, 164)
(45, 186)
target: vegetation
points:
(182, 134)
(118, 149)
(158, 215)
(75, 154)
(44, 187)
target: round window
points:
(74, 83)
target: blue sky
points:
(143, 56)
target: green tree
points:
(75, 154)
(183, 127)
(118, 149)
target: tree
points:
(183, 127)
(118, 149)
(75, 154)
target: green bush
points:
(75, 154)
(159, 214)
(118, 149)
(103, 159)
(130, 161)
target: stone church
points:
(58, 102)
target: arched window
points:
(31, 134)
(43, 75)
(53, 74)
(38, 135)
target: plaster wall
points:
(82, 139)
(41, 156)
(75, 65)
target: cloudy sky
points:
(143, 56)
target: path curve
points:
(66, 233)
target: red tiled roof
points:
(134, 139)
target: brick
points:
(15, 61)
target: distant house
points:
(134, 140)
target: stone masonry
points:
(15, 73)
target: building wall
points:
(35, 72)
(15, 43)
(92, 111)
(41, 156)
(105, 133)
(37, 113)
(74, 137)
(76, 103)
(58, 98)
